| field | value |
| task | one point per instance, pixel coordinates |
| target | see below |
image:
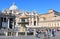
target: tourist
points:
(53, 33)
(38, 34)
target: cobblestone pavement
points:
(30, 37)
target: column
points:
(29, 21)
(6, 33)
(16, 33)
(34, 32)
(3, 19)
(26, 33)
(36, 21)
(13, 23)
(8, 23)
(11, 33)
(32, 21)
(59, 23)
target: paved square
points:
(31, 37)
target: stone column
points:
(59, 23)
(6, 33)
(8, 23)
(29, 21)
(26, 33)
(13, 23)
(3, 19)
(36, 21)
(34, 32)
(16, 33)
(32, 21)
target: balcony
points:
(23, 22)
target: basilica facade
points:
(14, 21)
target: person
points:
(53, 33)
(45, 34)
(37, 34)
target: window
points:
(34, 22)
(4, 19)
(23, 20)
(26, 20)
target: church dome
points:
(13, 7)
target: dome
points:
(13, 7)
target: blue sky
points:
(41, 6)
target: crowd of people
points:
(47, 33)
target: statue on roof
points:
(13, 7)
